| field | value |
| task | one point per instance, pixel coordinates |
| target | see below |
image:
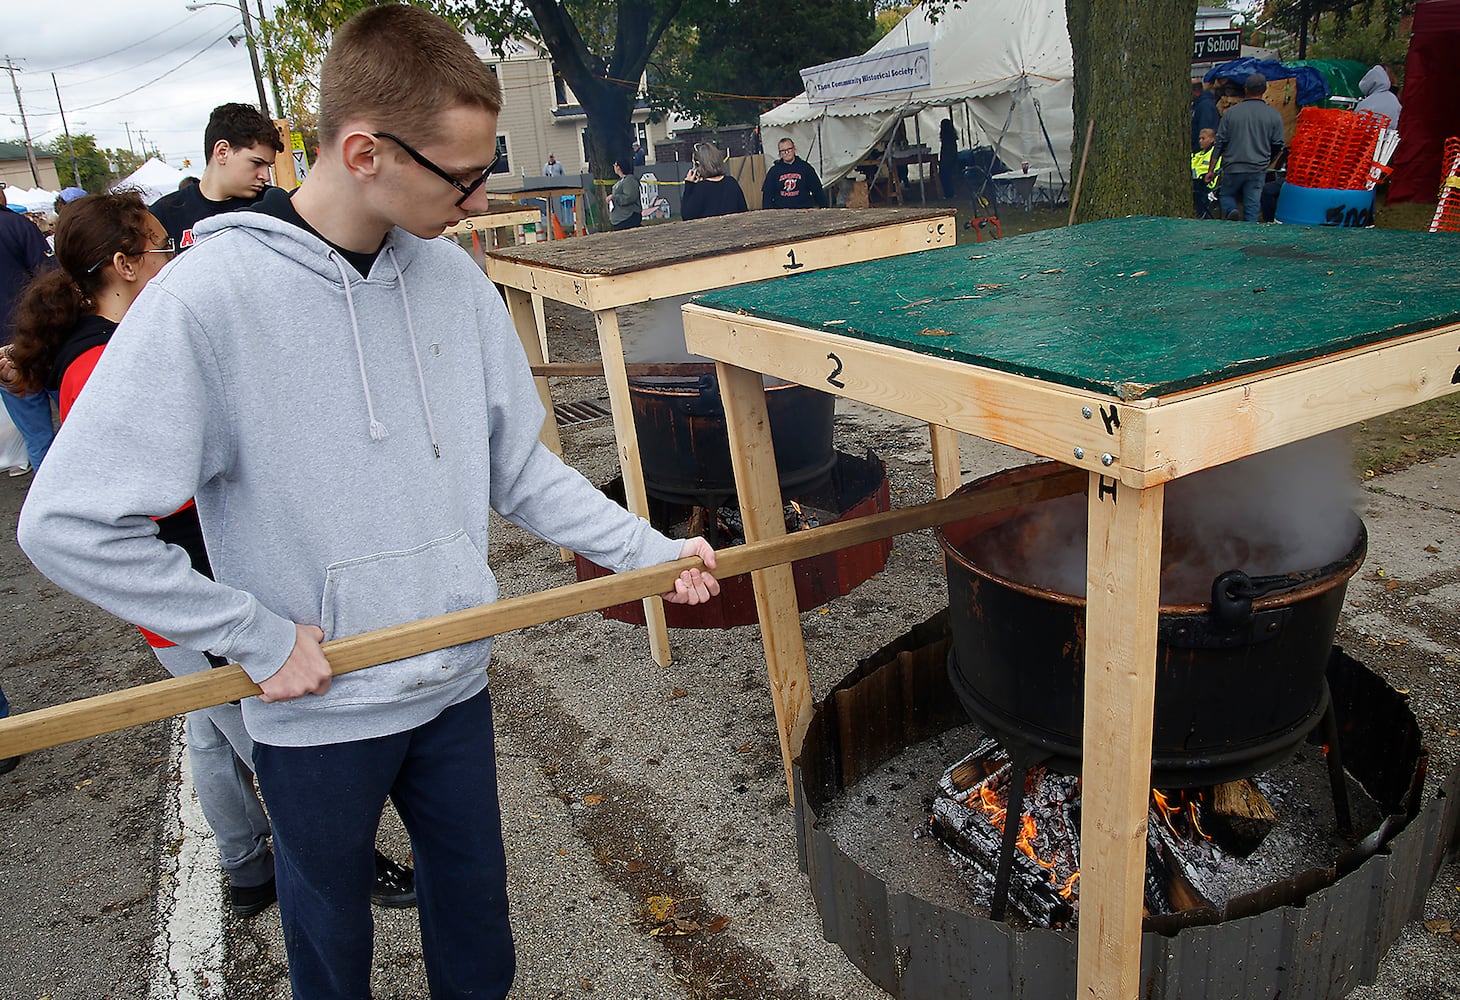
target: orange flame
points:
(1068, 889)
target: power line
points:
(83, 62)
(170, 52)
(150, 82)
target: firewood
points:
(1243, 799)
(1241, 817)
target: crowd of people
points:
(219, 478)
(1238, 144)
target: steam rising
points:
(655, 333)
(1280, 511)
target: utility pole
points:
(269, 62)
(12, 69)
(128, 127)
(75, 167)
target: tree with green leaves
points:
(600, 48)
(91, 162)
(748, 54)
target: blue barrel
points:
(1304, 206)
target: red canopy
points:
(1431, 100)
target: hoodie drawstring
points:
(378, 430)
(400, 280)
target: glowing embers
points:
(1195, 839)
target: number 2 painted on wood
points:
(832, 378)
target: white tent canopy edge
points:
(1001, 69)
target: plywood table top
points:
(1132, 308)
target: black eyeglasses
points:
(467, 190)
(169, 248)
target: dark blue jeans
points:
(4, 705)
(325, 804)
(1242, 192)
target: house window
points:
(502, 167)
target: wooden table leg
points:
(611, 350)
(757, 485)
(947, 464)
(526, 312)
(1123, 579)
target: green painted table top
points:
(1135, 308)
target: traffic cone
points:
(558, 233)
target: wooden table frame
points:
(501, 223)
(1130, 450)
(527, 284)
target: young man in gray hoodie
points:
(344, 463)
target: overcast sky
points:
(153, 67)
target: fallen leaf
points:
(633, 865)
(83, 784)
(1060, 270)
(745, 747)
(1391, 584)
(593, 800)
(718, 924)
(659, 908)
(1432, 548)
(562, 852)
(1437, 926)
(933, 331)
(677, 693)
(1139, 274)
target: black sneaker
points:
(7, 764)
(251, 899)
(395, 884)
(1234, 216)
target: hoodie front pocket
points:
(393, 588)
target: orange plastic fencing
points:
(1447, 212)
(1334, 148)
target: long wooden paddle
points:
(86, 717)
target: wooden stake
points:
(48, 727)
(1084, 153)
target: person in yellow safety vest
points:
(1203, 194)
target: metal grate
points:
(580, 411)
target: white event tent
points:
(1002, 70)
(153, 179)
(31, 199)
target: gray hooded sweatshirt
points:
(344, 438)
(1374, 85)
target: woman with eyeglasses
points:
(109, 246)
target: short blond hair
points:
(400, 68)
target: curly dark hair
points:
(88, 234)
(241, 126)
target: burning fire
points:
(994, 805)
(1183, 808)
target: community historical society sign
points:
(880, 73)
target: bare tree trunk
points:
(1132, 70)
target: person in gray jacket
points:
(625, 209)
(1248, 140)
(345, 466)
(1378, 97)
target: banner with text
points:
(907, 68)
